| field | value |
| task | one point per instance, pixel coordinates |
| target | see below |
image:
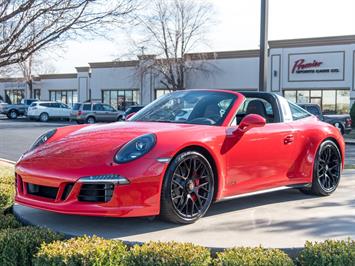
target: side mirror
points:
(250, 121)
(130, 115)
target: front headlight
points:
(43, 139)
(135, 148)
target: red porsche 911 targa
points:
(179, 154)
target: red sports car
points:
(179, 154)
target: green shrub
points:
(18, 246)
(7, 194)
(329, 252)
(82, 251)
(7, 175)
(172, 253)
(253, 256)
(352, 114)
(8, 221)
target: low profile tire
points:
(326, 171)
(43, 117)
(12, 114)
(340, 127)
(188, 188)
(90, 120)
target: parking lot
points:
(16, 136)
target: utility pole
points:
(263, 57)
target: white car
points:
(43, 111)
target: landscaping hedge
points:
(329, 252)
(8, 221)
(172, 253)
(242, 256)
(82, 251)
(7, 194)
(17, 246)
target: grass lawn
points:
(6, 173)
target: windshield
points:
(189, 107)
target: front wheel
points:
(44, 117)
(12, 114)
(188, 188)
(326, 171)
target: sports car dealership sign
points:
(326, 66)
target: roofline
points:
(130, 63)
(59, 76)
(318, 41)
(12, 80)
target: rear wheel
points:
(326, 171)
(90, 120)
(43, 117)
(12, 114)
(188, 188)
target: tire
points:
(43, 117)
(120, 118)
(186, 195)
(340, 127)
(79, 122)
(90, 120)
(12, 114)
(326, 170)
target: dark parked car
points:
(132, 109)
(91, 113)
(12, 111)
(342, 122)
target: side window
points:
(108, 108)
(98, 107)
(44, 104)
(297, 112)
(87, 107)
(54, 105)
(256, 106)
(62, 105)
(313, 110)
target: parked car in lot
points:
(341, 122)
(44, 111)
(91, 113)
(230, 145)
(12, 111)
(132, 109)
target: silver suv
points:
(91, 113)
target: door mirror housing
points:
(250, 121)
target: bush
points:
(7, 176)
(8, 221)
(17, 246)
(82, 251)
(7, 194)
(253, 256)
(330, 252)
(352, 114)
(172, 253)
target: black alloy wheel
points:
(327, 169)
(188, 188)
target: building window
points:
(14, 96)
(68, 97)
(37, 94)
(331, 101)
(121, 99)
(160, 92)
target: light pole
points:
(264, 17)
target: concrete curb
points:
(348, 142)
(292, 252)
(7, 161)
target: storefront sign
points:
(327, 66)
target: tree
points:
(28, 26)
(171, 30)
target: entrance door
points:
(317, 100)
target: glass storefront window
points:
(14, 96)
(291, 96)
(316, 93)
(121, 99)
(37, 94)
(65, 96)
(303, 96)
(343, 99)
(161, 92)
(329, 101)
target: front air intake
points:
(96, 192)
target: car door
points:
(99, 112)
(54, 110)
(110, 113)
(260, 158)
(64, 110)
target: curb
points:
(349, 142)
(7, 161)
(291, 252)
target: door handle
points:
(289, 139)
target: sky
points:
(236, 27)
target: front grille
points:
(96, 192)
(42, 191)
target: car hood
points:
(95, 144)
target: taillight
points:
(348, 122)
(79, 112)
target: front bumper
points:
(141, 197)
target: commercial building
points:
(317, 70)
